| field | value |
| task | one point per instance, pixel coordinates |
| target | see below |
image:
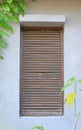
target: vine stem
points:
(76, 121)
(75, 101)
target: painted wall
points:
(9, 68)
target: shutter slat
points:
(53, 83)
(41, 43)
(41, 71)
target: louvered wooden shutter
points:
(41, 72)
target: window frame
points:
(62, 62)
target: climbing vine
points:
(9, 13)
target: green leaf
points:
(5, 7)
(16, 9)
(65, 101)
(6, 17)
(38, 127)
(16, 18)
(1, 57)
(65, 86)
(71, 80)
(23, 5)
(3, 43)
(9, 1)
(6, 26)
(21, 11)
(79, 80)
(2, 33)
(68, 83)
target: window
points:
(41, 71)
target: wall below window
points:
(10, 69)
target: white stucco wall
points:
(9, 68)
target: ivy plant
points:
(72, 97)
(9, 13)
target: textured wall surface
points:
(10, 74)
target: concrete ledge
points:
(42, 19)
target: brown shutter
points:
(41, 71)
